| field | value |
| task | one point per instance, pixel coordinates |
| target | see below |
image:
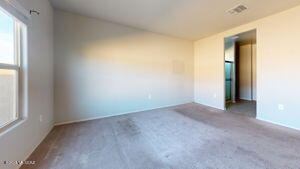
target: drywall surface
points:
(245, 68)
(104, 69)
(209, 72)
(18, 143)
(254, 71)
(278, 79)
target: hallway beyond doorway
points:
(243, 107)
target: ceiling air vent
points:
(237, 9)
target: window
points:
(10, 43)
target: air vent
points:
(237, 9)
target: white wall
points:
(245, 74)
(104, 69)
(278, 79)
(254, 71)
(247, 71)
(18, 143)
(209, 72)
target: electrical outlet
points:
(149, 96)
(41, 118)
(280, 107)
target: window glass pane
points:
(7, 96)
(6, 39)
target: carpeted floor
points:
(243, 107)
(189, 136)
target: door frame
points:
(257, 58)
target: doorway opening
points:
(240, 73)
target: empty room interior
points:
(149, 84)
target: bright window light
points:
(10, 42)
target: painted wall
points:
(245, 72)
(278, 79)
(104, 69)
(18, 143)
(254, 71)
(209, 72)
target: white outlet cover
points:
(149, 96)
(280, 107)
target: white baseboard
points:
(277, 123)
(101, 117)
(208, 105)
(258, 118)
(247, 99)
(160, 107)
(40, 141)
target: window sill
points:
(10, 126)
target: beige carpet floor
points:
(189, 136)
(243, 107)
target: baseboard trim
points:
(40, 141)
(247, 99)
(258, 118)
(276, 123)
(135, 111)
(210, 106)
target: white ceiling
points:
(189, 19)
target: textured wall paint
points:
(254, 71)
(209, 72)
(278, 79)
(104, 69)
(245, 86)
(17, 144)
(247, 73)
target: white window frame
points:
(19, 48)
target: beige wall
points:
(245, 74)
(254, 71)
(209, 72)
(278, 79)
(247, 71)
(104, 69)
(19, 142)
